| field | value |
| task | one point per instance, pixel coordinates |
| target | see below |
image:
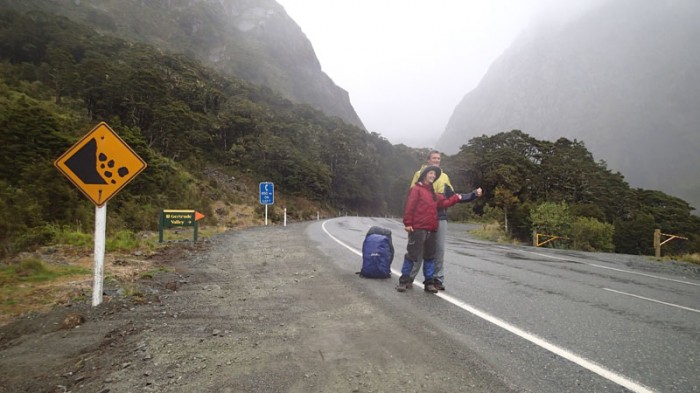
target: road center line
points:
(652, 300)
(566, 354)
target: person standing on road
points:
(443, 187)
(421, 223)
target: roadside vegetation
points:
(61, 272)
(691, 258)
(32, 284)
(558, 189)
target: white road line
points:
(566, 354)
(616, 269)
(652, 300)
(338, 240)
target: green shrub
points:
(589, 234)
(551, 219)
(35, 237)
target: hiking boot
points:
(438, 285)
(404, 282)
(409, 285)
(430, 287)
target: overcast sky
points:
(407, 63)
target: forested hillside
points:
(252, 40)
(210, 139)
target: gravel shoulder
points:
(254, 310)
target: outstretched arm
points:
(447, 202)
(472, 195)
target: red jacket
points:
(421, 207)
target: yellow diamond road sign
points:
(100, 164)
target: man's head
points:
(434, 158)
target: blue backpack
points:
(377, 253)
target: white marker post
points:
(285, 216)
(100, 236)
(266, 215)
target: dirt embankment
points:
(257, 310)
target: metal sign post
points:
(100, 240)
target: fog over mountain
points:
(254, 40)
(624, 77)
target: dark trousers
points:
(422, 244)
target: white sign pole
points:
(285, 216)
(100, 230)
(265, 214)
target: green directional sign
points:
(179, 218)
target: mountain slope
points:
(624, 78)
(251, 39)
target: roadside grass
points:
(691, 258)
(492, 231)
(32, 285)
(62, 272)
(34, 270)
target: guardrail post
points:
(657, 243)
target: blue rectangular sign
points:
(267, 193)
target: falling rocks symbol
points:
(84, 165)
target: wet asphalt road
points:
(551, 320)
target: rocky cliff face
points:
(624, 78)
(253, 40)
(288, 62)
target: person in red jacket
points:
(420, 220)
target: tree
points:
(552, 219)
(507, 160)
(63, 74)
(506, 200)
(589, 234)
(634, 235)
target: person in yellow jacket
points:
(441, 185)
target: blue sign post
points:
(267, 195)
